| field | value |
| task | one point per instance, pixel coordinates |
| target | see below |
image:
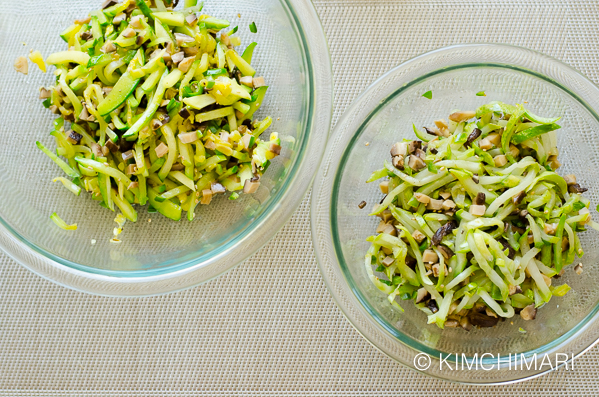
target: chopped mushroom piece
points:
(485, 144)
(399, 149)
(384, 186)
(273, 147)
(477, 210)
(248, 81)
(514, 151)
(381, 227)
(127, 155)
(570, 179)
(462, 116)
(416, 163)
(108, 3)
(74, 137)
(188, 137)
(118, 19)
(161, 149)
(438, 269)
(465, 323)
(578, 269)
(112, 147)
(133, 185)
(435, 205)
(131, 169)
(398, 162)
(528, 313)
(452, 324)
(135, 22)
(550, 228)
(390, 229)
(191, 19)
(108, 47)
(421, 295)
(128, 33)
(443, 127)
(258, 82)
(182, 38)
(418, 235)
(21, 65)
(500, 160)
(422, 198)
(445, 195)
(206, 196)
(514, 289)
(362, 204)
(186, 63)
(448, 205)
(517, 199)
(446, 252)
(178, 57)
(412, 146)
(494, 138)
(429, 256)
(388, 261)
(44, 93)
(250, 186)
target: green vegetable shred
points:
(476, 223)
(157, 108)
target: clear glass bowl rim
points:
(329, 254)
(211, 265)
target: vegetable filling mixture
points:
(156, 107)
(476, 225)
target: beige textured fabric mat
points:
(270, 327)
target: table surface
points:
(270, 327)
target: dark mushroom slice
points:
(411, 262)
(108, 3)
(112, 146)
(517, 199)
(422, 295)
(445, 251)
(398, 162)
(434, 132)
(443, 231)
(184, 113)
(576, 188)
(529, 313)
(474, 135)
(482, 320)
(412, 146)
(480, 198)
(362, 204)
(74, 137)
(432, 305)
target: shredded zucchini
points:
(476, 222)
(150, 96)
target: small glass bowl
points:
(158, 255)
(383, 115)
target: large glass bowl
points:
(383, 115)
(158, 256)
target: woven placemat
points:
(270, 327)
